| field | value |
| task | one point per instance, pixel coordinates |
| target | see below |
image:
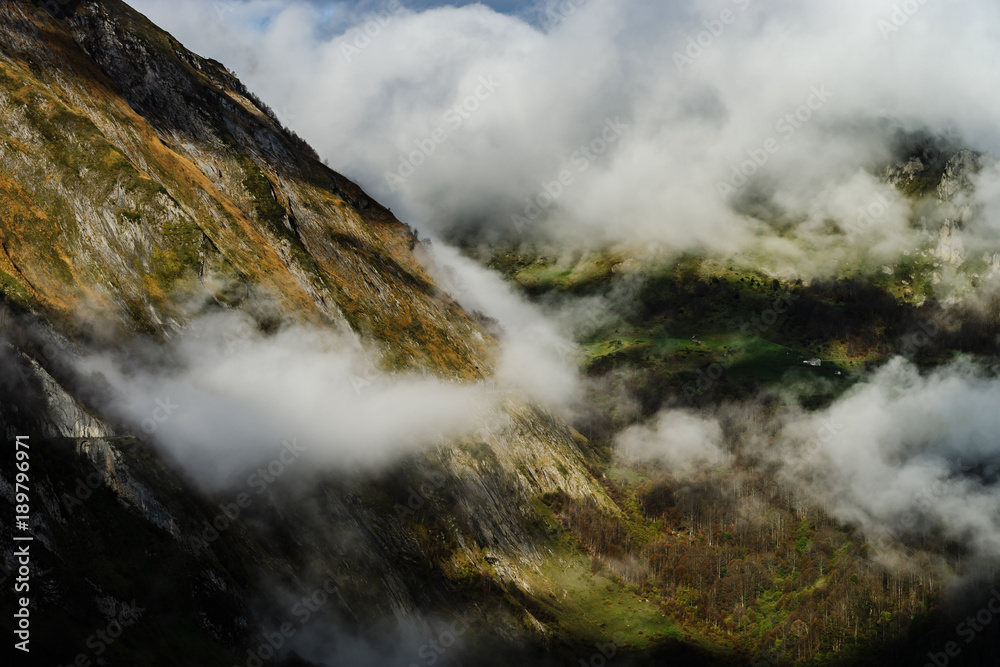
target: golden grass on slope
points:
(363, 260)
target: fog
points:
(223, 400)
(536, 356)
(682, 440)
(606, 122)
(728, 126)
(905, 455)
(910, 458)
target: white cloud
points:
(682, 440)
(688, 127)
(535, 358)
(906, 454)
(223, 400)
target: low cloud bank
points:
(223, 400)
(907, 457)
(681, 440)
(723, 126)
(536, 358)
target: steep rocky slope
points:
(145, 192)
(134, 169)
(142, 186)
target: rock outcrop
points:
(141, 185)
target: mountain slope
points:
(146, 194)
(142, 187)
(152, 170)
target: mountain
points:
(148, 201)
(142, 187)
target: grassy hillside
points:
(730, 555)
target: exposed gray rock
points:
(958, 173)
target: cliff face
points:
(140, 186)
(135, 170)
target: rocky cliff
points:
(142, 186)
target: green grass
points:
(739, 357)
(13, 290)
(268, 209)
(594, 607)
(590, 606)
(538, 274)
(692, 316)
